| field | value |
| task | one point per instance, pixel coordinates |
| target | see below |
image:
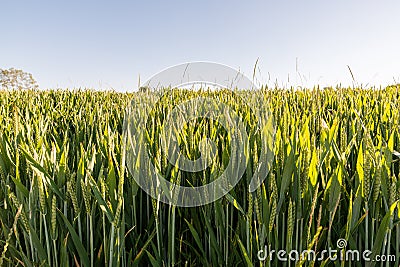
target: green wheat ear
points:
(377, 184)
(117, 214)
(304, 171)
(258, 205)
(290, 220)
(273, 213)
(392, 190)
(71, 189)
(250, 205)
(53, 217)
(17, 204)
(42, 195)
(86, 195)
(367, 173)
(273, 199)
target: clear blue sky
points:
(103, 44)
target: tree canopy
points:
(15, 79)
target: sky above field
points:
(104, 44)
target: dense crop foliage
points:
(66, 197)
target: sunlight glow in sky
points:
(104, 44)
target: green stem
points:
(397, 245)
(366, 226)
(111, 245)
(47, 240)
(227, 235)
(55, 253)
(91, 240)
(173, 236)
(104, 240)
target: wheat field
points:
(67, 198)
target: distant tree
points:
(14, 79)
